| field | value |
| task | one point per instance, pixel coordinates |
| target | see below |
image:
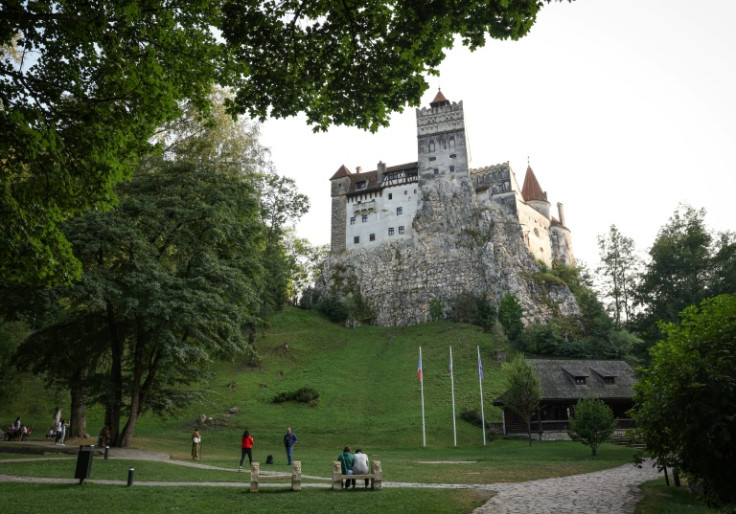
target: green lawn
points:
(369, 398)
(42, 498)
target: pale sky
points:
(624, 108)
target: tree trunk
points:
(78, 418)
(116, 375)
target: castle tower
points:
(532, 193)
(339, 185)
(442, 141)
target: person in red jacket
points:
(246, 448)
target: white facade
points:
(369, 209)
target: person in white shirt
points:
(360, 465)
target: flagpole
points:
(480, 383)
(452, 385)
(421, 387)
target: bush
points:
(334, 308)
(509, 314)
(304, 395)
(541, 339)
(436, 309)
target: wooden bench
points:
(375, 476)
(295, 476)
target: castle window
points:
(415, 191)
(399, 211)
(352, 221)
(362, 184)
(401, 230)
(609, 380)
(356, 240)
(432, 159)
(390, 196)
(390, 231)
(405, 192)
(364, 218)
(436, 171)
(452, 142)
(452, 168)
(372, 237)
(452, 155)
(431, 145)
(580, 380)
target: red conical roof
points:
(439, 100)
(340, 173)
(531, 189)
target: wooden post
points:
(336, 475)
(296, 476)
(377, 474)
(254, 472)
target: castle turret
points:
(442, 141)
(532, 193)
(339, 185)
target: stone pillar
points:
(254, 476)
(296, 476)
(376, 483)
(336, 475)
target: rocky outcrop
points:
(459, 246)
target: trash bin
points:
(84, 462)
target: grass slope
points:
(369, 398)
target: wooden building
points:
(563, 383)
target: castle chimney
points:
(561, 212)
(380, 171)
(359, 169)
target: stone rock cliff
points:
(459, 246)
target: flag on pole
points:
(451, 362)
(419, 367)
(480, 368)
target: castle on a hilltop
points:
(370, 209)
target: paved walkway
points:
(611, 491)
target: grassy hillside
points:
(366, 379)
(369, 398)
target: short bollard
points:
(130, 476)
(107, 451)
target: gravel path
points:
(611, 491)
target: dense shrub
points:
(510, 312)
(304, 395)
(541, 339)
(334, 308)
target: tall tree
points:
(677, 273)
(86, 84)
(524, 391)
(619, 266)
(686, 398)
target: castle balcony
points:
(365, 207)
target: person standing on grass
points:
(346, 464)
(196, 443)
(289, 442)
(246, 448)
(360, 465)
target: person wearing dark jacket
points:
(289, 442)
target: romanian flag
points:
(419, 368)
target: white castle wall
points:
(388, 216)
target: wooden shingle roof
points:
(575, 379)
(602, 378)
